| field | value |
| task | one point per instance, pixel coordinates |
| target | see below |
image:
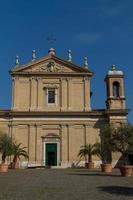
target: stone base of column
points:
(87, 109)
(33, 109)
(63, 108)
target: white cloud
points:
(88, 38)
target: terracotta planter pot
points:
(89, 165)
(106, 168)
(3, 167)
(126, 170)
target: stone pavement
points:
(64, 184)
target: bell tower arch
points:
(115, 89)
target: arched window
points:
(116, 87)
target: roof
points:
(50, 57)
(114, 71)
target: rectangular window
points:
(51, 95)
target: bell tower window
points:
(116, 87)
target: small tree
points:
(99, 151)
(18, 152)
(105, 148)
(122, 140)
(87, 150)
(5, 146)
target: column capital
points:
(86, 78)
(63, 125)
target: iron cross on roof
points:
(51, 39)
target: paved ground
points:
(68, 184)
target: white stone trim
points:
(58, 150)
(56, 119)
(118, 117)
(46, 96)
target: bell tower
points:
(115, 89)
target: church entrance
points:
(51, 154)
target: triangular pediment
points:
(49, 64)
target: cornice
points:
(93, 113)
(113, 76)
(48, 74)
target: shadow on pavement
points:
(117, 190)
(94, 174)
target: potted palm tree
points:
(122, 140)
(18, 152)
(87, 151)
(5, 150)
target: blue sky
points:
(99, 29)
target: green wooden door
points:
(51, 154)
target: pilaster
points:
(69, 93)
(69, 141)
(39, 147)
(33, 92)
(15, 93)
(64, 145)
(86, 94)
(63, 94)
(85, 132)
(39, 94)
(32, 143)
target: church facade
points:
(51, 110)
